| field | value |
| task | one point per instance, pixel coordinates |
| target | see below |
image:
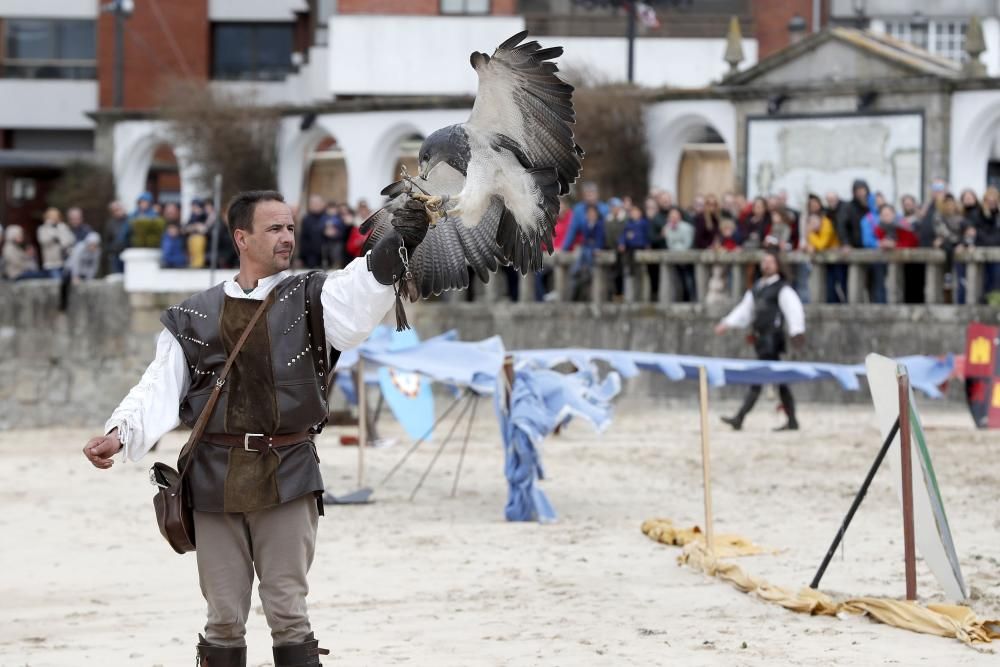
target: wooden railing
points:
(734, 265)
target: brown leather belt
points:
(256, 442)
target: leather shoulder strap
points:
(199, 426)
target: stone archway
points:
(135, 146)
(674, 128)
(974, 139)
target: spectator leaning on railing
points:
(988, 235)
(117, 236)
(678, 234)
(19, 261)
(55, 240)
(172, 247)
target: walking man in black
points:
(766, 308)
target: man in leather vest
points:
(766, 308)
(254, 483)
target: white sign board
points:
(930, 524)
(821, 153)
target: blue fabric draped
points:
(540, 401)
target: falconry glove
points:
(389, 260)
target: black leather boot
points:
(210, 655)
(305, 654)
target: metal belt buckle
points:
(246, 441)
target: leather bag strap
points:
(199, 426)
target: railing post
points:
(894, 283)
(526, 290)
(667, 276)
(560, 278)
(597, 283)
(493, 289)
(817, 282)
(933, 283)
(645, 283)
(737, 281)
(702, 273)
(973, 279)
(855, 282)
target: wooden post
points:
(909, 556)
(508, 372)
(362, 420)
(705, 461)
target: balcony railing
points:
(736, 270)
(733, 272)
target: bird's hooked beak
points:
(423, 169)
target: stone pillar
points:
(526, 293)
(667, 276)
(702, 273)
(817, 283)
(973, 282)
(737, 280)
(933, 283)
(598, 284)
(856, 274)
(560, 280)
(894, 283)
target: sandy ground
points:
(85, 579)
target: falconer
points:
(254, 483)
(767, 308)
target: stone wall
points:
(73, 368)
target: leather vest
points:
(277, 384)
(767, 317)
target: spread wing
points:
(521, 97)
(452, 246)
(508, 205)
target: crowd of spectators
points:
(329, 237)
(867, 220)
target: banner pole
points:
(909, 555)
(705, 461)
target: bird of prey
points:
(492, 183)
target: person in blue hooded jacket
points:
(172, 245)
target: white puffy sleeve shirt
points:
(788, 301)
(354, 303)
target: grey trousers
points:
(278, 543)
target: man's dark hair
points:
(239, 212)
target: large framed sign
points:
(820, 153)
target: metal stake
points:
(465, 444)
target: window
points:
(252, 51)
(49, 49)
(465, 6)
(942, 38)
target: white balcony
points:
(47, 104)
(255, 10)
(429, 55)
(57, 9)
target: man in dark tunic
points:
(766, 308)
(255, 484)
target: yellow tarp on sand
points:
(944, 620)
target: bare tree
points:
(611, 128)
(226, 134)
(88, 186)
